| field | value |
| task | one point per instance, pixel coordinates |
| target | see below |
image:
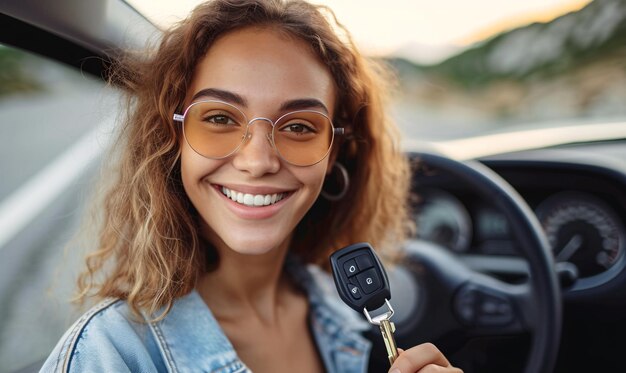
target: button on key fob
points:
(362, 284)
(360, 277)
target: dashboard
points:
(577, 192)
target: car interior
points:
(517, 264)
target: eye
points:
(298, 128)
(220, 120)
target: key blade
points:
(387, 329)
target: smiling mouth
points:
(253, 200)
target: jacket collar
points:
(192, 339)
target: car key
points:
(362, 284)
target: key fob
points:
(360, 277)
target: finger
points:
(415, 358)
(432, 368)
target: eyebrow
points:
(303, 103)
(220, 95)
(231, 97)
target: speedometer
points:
(443, 219)
(582, 230)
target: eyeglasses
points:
(216, 130)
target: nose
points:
(257, 155)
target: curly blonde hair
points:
(150, 251)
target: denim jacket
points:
(189, 339)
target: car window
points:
(54, 124)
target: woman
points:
(235, 122)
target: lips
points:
(252, 200)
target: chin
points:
(251, 246)
(252, 250)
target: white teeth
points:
(248, 199)
(252, 199)
(259, 200)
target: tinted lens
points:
(214, 129)
(303, 138)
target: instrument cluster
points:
(582, 228)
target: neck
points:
(251, 285)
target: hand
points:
(424, 358)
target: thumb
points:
(396, 370)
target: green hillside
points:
(538, 50)
(570, 68)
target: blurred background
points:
(468, 67)
(464, 68)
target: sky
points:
(425, 31)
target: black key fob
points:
(360, 277)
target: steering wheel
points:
(442, 299)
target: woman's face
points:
(260, 71)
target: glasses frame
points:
(339, 131)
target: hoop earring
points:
(345, 184)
